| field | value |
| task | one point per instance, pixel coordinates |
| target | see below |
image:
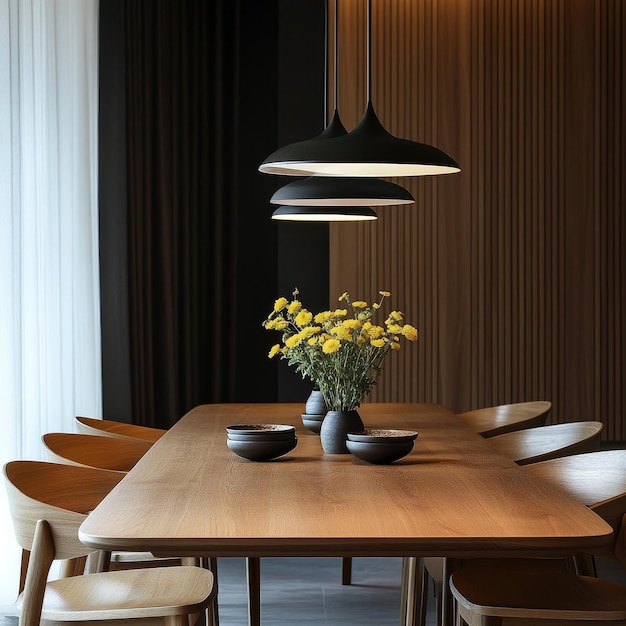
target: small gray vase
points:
(315, 404)
(335, 428)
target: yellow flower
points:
(280, 304)
(341, 332)
(359, 304)
(352, 324)
(278, 323)
(310, 330)
(343, 296)
(322, 317)
(293, 341)
(395, 346)
(375, 332)
(303, 318)
(378, 343)
(385, 294)
(393, 328)
(396, 315)
(409, 332)
(330, 346)
(275, 349)
(340, 313)
(294, 307)
(313, 341)
(376, 305)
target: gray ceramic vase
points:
(315, 404)
(335, 429)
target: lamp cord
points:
(369, 50)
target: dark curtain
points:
(195, 308)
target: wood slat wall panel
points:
(513, 271)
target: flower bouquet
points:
(340, 351)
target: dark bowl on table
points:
(384, 435)
(380, 452)
(270, 430)
(313, 421)
(262, 436)
(262, 450)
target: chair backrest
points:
(94, 450)
(111, 428)
(597, 479)
(62, 495)
(541, 443)
(504, 418)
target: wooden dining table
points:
(452, 496)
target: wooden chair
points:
(110, 428)
(542, 443)
(48, 503)
(524, 447)
(119, 455)
(94, 450)
(487, 594)
(506, 418)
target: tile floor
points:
(308, 592)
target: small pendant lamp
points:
(324, 214)
(333, 191)
(369, 150)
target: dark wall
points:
(280, 100)
(303, 255)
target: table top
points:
(452, 496)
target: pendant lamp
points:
(369, 150)
(324, 214)
(339, 191)
(336, 191)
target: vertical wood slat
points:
(513, 270)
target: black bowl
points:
(263, 436)
(383, 435)
(380, 453)
(267, 431)
(313, 422)
(261, 450)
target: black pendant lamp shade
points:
(324, 214)
(369, 150)
(331, 191)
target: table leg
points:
(253, 570)
(412, 606)
(346, 570)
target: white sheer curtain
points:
(49, 288)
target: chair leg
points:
(423, 604)
(23, 569)
(447, 611)
(176, 620)
(72, 567)
(213, 615)
(346, 570)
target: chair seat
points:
(130, 594)
(506, 418)
(110, 428)
(532, 445)
(531, 593)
